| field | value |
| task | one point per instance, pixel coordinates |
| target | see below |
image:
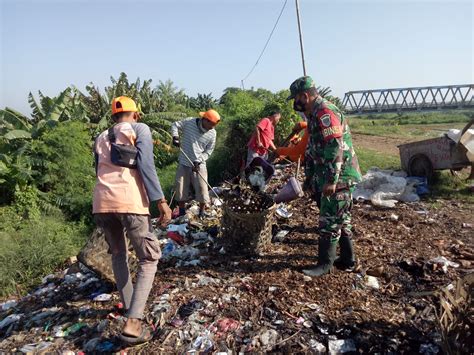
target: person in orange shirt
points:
(122, 195)
(297, 146)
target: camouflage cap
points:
(300, 85)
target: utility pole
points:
(301, 36)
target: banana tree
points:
(14, 125)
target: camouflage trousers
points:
(335, 214)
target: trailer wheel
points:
(420, 165)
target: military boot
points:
(326, 256)
(346, 261)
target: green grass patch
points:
(369, 158)
(390, 128)
(456, 116)
(31, 249)
(167, 177)
(449, 187)
(411, 125)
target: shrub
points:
(67, 173)
(31, 249)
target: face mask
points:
(299, 105)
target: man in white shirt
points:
(196, 138)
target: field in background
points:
(376, 138)
(412, 126)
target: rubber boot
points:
(326, 256)
(346, 261)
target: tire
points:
(420, 165)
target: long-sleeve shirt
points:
(197, 143)
(330, 156)
(124, 190)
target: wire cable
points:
(266, 44)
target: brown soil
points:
(383, 145)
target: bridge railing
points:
(409, 99)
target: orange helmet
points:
(211, 115)
(123, 104)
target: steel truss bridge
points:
(426, 98)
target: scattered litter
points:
(189, 308)
(261, 312)
(168, 249)
(36, 348)
(12, 318)
(317, 346)
(441, 260)
(429, 349)
(87, 282)
(47, 278)
(216, 202)
(182, 229)
(257, 178)
(267, 338)
(227, 325)
(46, 313)
(372, 282)
(206, 280)
(341, 346)
(103, 297)
(73, 278)
(385, 188)
(280, 236)
(91, 345)
(314, 307)
(8, 304)
(74, 328)
(175, 236)
(201, 345)
(282, 212)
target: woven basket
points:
(456, 317)
(247, 233)
(95, 256)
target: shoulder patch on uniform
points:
(326, 120)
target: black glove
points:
(176, 141)
(196, 166)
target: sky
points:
(205, 46)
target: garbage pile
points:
(207, 299)
(385, 188)
(245, 200)
(188, 240)
(70, 310)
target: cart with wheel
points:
(422, 158)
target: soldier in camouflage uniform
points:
(332, 170)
